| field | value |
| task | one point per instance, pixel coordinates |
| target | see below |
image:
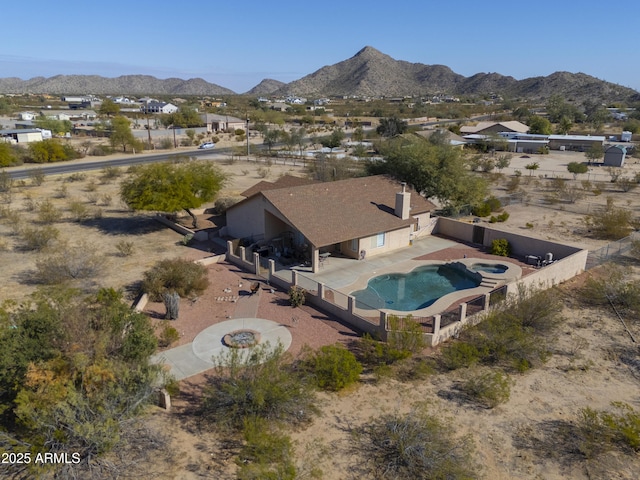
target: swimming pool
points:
(489, 267)
(417, 289)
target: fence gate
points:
(478, 234)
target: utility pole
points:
(247, 132)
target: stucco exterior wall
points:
(246, 219)
(520, 244)
(392, 241)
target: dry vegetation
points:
(41, 219)
(535, 426)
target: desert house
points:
(222, 123)
(354, 218)
(486, 128)
(158, 107)
(24, 135)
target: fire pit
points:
(244, 338)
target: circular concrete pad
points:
(208, 345)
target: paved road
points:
(78, 166)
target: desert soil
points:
(594, 362)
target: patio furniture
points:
(323, 257)
(255, 287)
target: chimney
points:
(403, 202)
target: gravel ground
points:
(308, 326)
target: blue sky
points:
(237, 44)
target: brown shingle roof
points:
(332, 212)
(282, 182)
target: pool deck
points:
(347, 275)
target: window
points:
(377, 241)
(354, 245)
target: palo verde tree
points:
(121, 134)
(577, 168)
(438, 171)
(539, 125)
(170, 187)
(109, 107)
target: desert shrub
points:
(186, 239)
(92, 198)
(501, 246)
(457, 355)
(222, 204)
(36, 239)
(493, 203)
(412, 446)
(102, 150)
(490, 388)
(106, 199)
(12, 218)
(503, 217)
(76, 177)
(627, 184)
(297, 296)
(125, 248)
(516, 333)
(260, 385)
(107, 174)
(405, 335)
(175, 275)
(91, 186)
(373, 353)
(168, 334)
(611, 222)
(80, 261)
(333, 367)
(482, 210)
(263, 172)
(166, 143)
(614, 287)
(48, 213)
(61, 191)
(415, 368)
(601, 431)
(37, 177)
(79, 211)
(266, 453)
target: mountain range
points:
(369, 73)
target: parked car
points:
(206, 145)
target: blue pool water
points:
(414, 290)
(489, 267)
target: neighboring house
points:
(614, 156)
(358, 217)
(23, 135)
(70, 114)
(449, 137)
(158, 107)
(76, 98)
(222, 123)
(577, 143)
(485, 128)
(56, 114)
(279, 106)
(27, 116)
